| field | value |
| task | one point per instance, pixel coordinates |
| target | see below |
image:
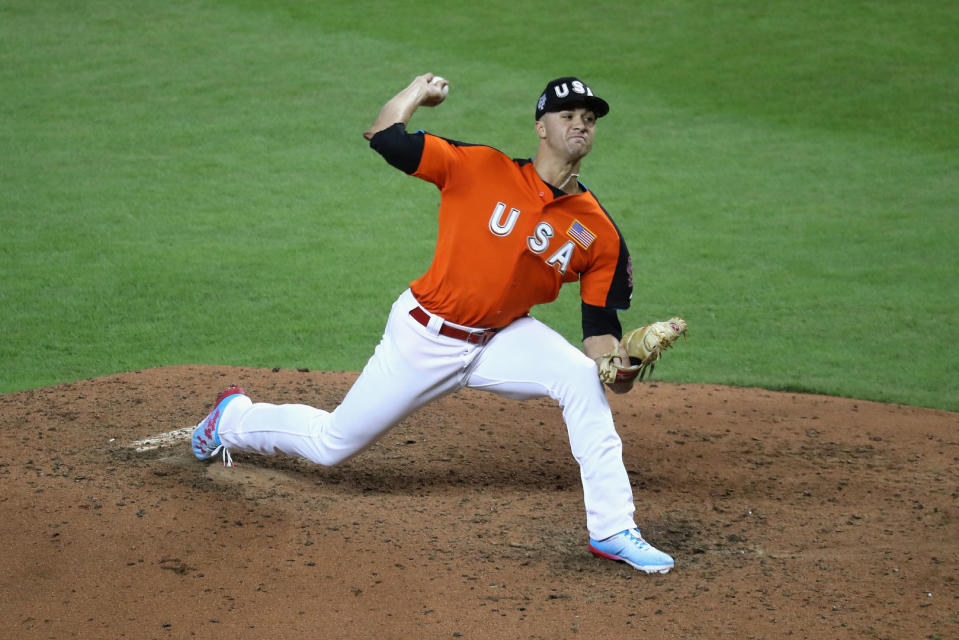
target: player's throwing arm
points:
(427, 90)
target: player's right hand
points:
(435, 89)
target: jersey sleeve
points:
(439, 157)
(419, 154)
(609, 280)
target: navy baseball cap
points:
(563, 93)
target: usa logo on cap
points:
(567, 92)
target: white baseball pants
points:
(414, 364)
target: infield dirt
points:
(789, 515)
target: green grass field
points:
(186, 182)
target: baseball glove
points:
(645, 346)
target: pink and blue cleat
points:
(206, 435)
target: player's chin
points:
(578, 147)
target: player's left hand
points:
(642, 348)
(646, 345)
(616, 371)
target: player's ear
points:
(540, 129)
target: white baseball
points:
(442, 84)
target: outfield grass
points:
(186, 182)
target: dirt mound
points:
(789, 516)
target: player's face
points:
(569, 131)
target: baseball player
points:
(511, 233)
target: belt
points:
(472, 337)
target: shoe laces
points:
(227, 458)
(633, 536)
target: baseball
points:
(441, 83)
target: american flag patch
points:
(583, 236)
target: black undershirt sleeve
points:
(599, 321)
(401, 149)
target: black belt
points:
(472, 337)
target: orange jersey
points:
(506, 242)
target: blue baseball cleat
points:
(628, 546)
